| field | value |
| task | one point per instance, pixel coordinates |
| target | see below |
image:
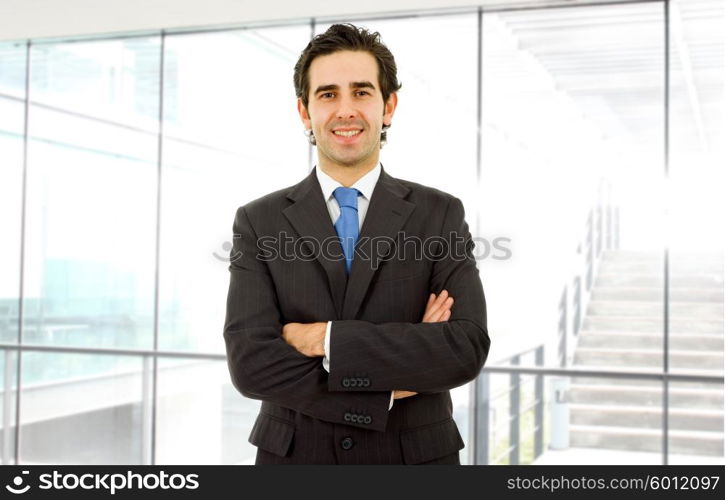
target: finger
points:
(431, 298)
(428, 307)
(438, 308)
(443, 315)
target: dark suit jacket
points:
(378, 342)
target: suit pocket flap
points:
(430, 441)
(272, 434)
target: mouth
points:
(347, 136)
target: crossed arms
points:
(449, 348)
(308, 338)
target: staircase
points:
(622, 330)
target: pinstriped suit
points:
(378, 343)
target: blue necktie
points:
(347, 225)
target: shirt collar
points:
(365, 184)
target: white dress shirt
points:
(365, 185)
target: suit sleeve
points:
(263, 366)
(421, 357)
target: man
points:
(350, 338)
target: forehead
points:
(343, 67)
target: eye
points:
(326, 95)
(362, 92)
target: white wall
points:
(20, 19)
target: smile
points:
(346, 133)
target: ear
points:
(389, 108)
(304, 114)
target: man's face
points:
(346, 110)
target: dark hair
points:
(347, 37)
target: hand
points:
(403, 394)
(307, 338)
(437, 309)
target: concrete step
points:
(610, 394)
(657, 266)
(658, 281)
(630, 382)
(646, 417)
(625, 438)
(658, 256)
(619, 340)
(656, 294)
(652, 324)
(617, 357)
(677, 310)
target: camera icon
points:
(18, 482)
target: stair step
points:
(646, 417)
(658, 281)
(623, 329)
(694, 342)
(654, 267)
(652, 324)
(648, 255)
(648, 358)
(632, 439)
(630, 382)
(656, 294)
(692, 311)
(642, 395)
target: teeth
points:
(346, 133)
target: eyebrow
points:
(353, 85)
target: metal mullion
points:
(112, 351)
(157, 263)
(398, 16)
(666, 291)
(310, 154)
(473, 430)
(23, 219)
(603, 3)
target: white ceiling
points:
(22, 19)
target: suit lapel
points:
(311, 219)
(387, 212)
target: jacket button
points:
(368, 419)
(366, 382)
(347, 443)
(346, 382)
(347, 417)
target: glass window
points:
(8, 386)
(91, 211)
(695, 222)
(197, 400)
(12, 124)
(92, 409)
(572, 169)
(231, 134)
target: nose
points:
(346, 109)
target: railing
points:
(601, 233)
(519, 406)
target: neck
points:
(347, 175)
